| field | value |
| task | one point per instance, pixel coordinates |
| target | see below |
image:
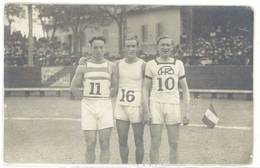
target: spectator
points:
(222, 45)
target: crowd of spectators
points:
(45, 52)
(15, 49)
(53, 53)
(217, 47)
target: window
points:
(159, 29)
(82, 38)
(69, 41)
(69, 38)
(144, 33)
(106, 34)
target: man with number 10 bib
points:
(161, 98)
(99, 79)
(128, 105)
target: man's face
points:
(131, 48)
(98, 49)
(165, 47)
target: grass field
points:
(47, 130)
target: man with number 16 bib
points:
(99, 79)
(128, 105)
(161, 98)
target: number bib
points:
(97, 88)
(165, 83)
(129, 97)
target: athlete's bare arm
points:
(143, 69)
(147, 85)
(143, 75)
(114, 80)
(76, 84)
(186, 98)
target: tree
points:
(13, 10)
(50, 17)
(78, 18)
(119, 14)
(30, 35)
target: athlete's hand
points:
(186, 119)
(147, 118)
(83, 61)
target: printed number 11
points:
(93, 88)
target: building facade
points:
(146, 24)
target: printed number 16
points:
(128, 95)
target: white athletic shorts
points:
(133, 114)
(96, 114)
(165, 113)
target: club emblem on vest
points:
(166, 70)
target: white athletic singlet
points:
(130, 83)
(97, 80)
(165, 78)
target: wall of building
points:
(110, 33)
(62, 36)
(169, 18)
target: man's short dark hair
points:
(163, 37)
(97, 38)
(133, 38)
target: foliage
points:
(14, 10)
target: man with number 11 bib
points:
(128, 105)
(161, 98)
(99, 79)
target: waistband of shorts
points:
(131, 88)
(96, 98)
(163, 102)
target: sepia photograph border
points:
(255, 6)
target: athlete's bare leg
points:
(156, 134)
(104, 141)
(122, 131)
(91, 140)
(138, 129)
(173, 134)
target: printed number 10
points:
(168, 83)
